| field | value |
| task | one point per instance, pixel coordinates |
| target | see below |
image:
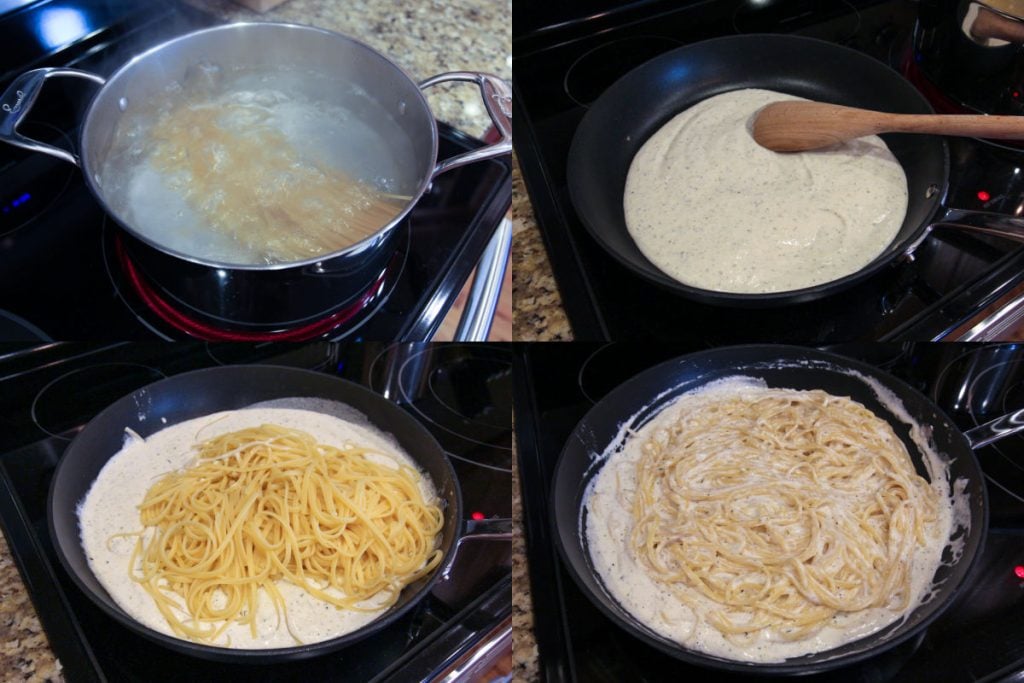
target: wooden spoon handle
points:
(1000, 127)
(794, 126)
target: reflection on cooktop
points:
(55, 409)
(979, 385)
(461, 391)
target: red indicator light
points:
(1019, 571)
(984, 196)
(479, 515)
(1016, 94)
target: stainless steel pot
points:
(281, 293)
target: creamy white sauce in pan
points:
(111, 507)
(713, 209)
(609, 523)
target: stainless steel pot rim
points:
(313, 261)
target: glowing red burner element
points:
(984, 196)
(1019, 571)
(479, 515)
(201, 330)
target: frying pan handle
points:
(17, 101)
(983, 435)
(497, 96)
(498, 528)
(982, 221)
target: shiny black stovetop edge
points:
(980, 637)
(926, 299)
(90, 646)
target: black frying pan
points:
(643, 100)
(194, 394)
(780, 366)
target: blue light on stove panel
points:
(15, 203)
(59, 26)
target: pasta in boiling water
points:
(232, 164)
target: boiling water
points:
(251, 168)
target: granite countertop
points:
(537, 313)
(526, 666)
(425, 38)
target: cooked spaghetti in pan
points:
(759, 524)
(260, 528)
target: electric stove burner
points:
(15, 328)
(613, 364)
(55, 411)
(39, 182)
(983, 384)
(461, 391)
(594, 71)
(882, 356)
(164, 317)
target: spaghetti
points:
(269, 504)
(758, 524)
(782, 508)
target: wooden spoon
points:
(800, 126)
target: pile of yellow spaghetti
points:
(783, 509)
(270, 504)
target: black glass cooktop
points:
(562, 65)
(461, 393)
(60, 276)
(980, 637)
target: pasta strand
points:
(783, 509)
(267, 505)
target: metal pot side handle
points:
(497, 96)
(17, 101)
(1001, 427)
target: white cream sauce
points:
(111, 507)
(713, 209)
(609, 523)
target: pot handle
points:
(17, 101)
(497, 96)
(497, 529)
(985, 222)
(983, 435)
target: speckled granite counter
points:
(524, 646)
(426, 38)
(537, 313)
